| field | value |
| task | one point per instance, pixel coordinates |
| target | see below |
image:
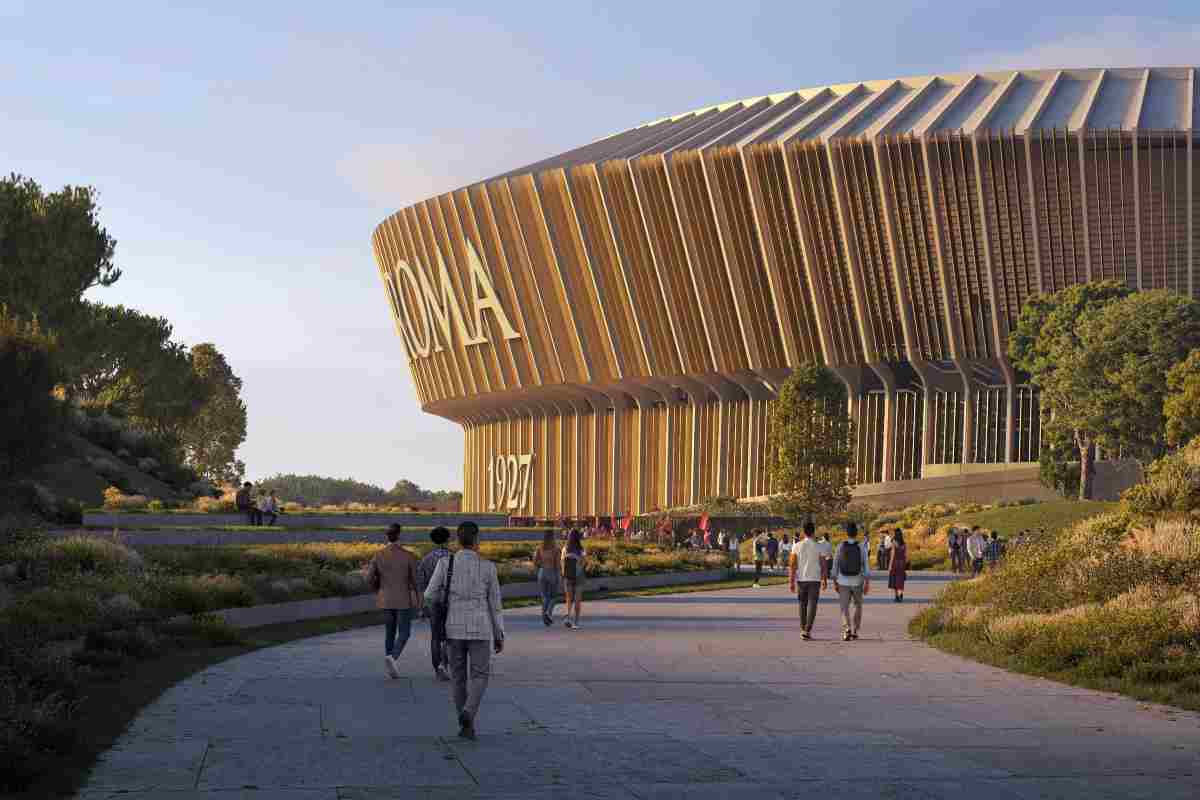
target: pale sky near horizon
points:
(244, 152)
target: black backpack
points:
(850, 559)
(569, 563)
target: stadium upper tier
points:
(1141, 98)
(890, 229)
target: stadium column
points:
(950, 311)
(1189, 112)
(696, 394)
(863, 325)
(892, 183)
(997, 332)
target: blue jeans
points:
(548, 589)
(397, 631)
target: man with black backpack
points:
(852, 580)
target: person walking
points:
(885, 544)
(547, 559)
(735, 552)
(467, 585)
(574, 563)
(955, 542)
(994, 551)
(772, 550)
(897, 565)
(268, 506)
(976, 550)
(760, 553)
(244, 499)
(425, 569)
(807, 577)
(826, 548)
(393, 574)
(852, 579)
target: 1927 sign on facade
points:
(625, 311)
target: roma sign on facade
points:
(409, 285)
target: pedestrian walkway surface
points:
(698, 696)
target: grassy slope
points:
(1053, 516)
(1093, 636)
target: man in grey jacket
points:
(474, 623)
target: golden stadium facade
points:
(609, 325)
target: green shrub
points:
(1172, 484)
(202, 629)
(198, 594)
(29, 413)
(139, 642)
(38, 699)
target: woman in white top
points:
(269, 507)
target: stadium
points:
(609, 325)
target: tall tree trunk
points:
(1087, 466)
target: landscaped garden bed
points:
(1112, 602)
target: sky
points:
(244, 152)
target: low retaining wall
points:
(422, 522)
(139, 538)
(301, 610)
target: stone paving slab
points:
(697, 696)
(332, 762)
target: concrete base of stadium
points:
(987, 483)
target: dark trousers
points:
(808, 592)
(757, 570)
(976, 566)
(437, 647)
(253, 516)
(273, 516)
(397, 630)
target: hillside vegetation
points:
(314, 491)
(1111, 602)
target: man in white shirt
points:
(852, 579)
(806, 577)
(976, 548)
(474, 622)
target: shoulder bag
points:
(441, 609)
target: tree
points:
(52, 250)
(211, 438)
(107, 345)
(1099, 354)
(1182, 406)
(812, 443)
(29, 413)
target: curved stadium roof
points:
(1133, 98)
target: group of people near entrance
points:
(263, 510)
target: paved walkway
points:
(698, 696)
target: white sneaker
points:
(389, 664)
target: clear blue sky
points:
(244, 152)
